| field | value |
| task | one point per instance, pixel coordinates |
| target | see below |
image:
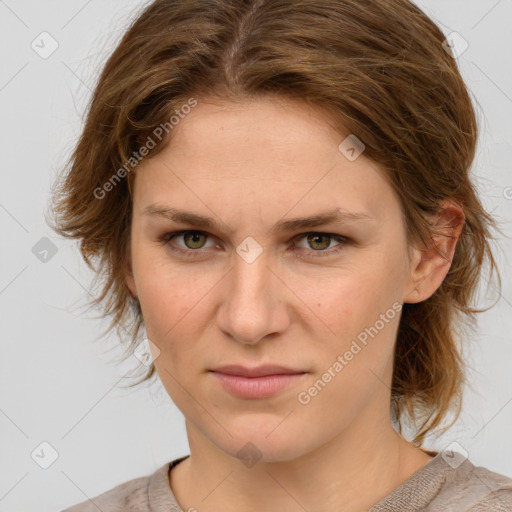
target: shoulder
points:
(473, 488)
(126, 497)
(450, 483)
(497, 501)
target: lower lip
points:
(256, 387)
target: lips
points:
(258, 382)
(258, 371)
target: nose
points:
(255, 303)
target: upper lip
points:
(257, 371)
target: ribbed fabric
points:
(439, 487)
(436, 487)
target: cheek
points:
(176, 307)
(166, 291)
(362, 311)
(352, 364)
(351, 302)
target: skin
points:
(249, 164)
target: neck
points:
(351, 472)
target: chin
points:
(266, 438)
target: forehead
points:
(265, 153)
(264, 127)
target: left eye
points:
(194, 245)
(321, 240)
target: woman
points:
(279, 194)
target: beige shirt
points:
(440, 485)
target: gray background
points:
(59, 386)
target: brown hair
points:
(379, 67)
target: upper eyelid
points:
(173, 234)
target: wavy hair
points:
(382, 71)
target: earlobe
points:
(130, 281)
(128, 272)
(430, 265)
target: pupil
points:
(194, 237)
(316, 237)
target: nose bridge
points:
(252, 301)
(251, 280)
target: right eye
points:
(190, 237)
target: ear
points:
(129, 279)
(429, 265)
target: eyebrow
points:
(337, 216)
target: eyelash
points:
(166, 239)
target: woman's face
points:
(320, 299)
